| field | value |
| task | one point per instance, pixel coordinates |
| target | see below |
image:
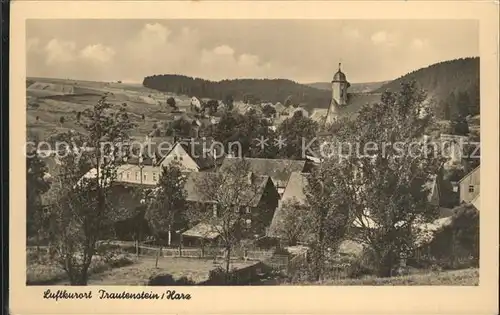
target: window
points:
(145, 176)
(154, 176)
(471, 188)
(121, 176)
(136, 175)
(180, 158)
(248, 210)
(175, 157)
(128, 175)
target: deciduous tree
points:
(167, 205)
(82, 214)
(226, 196)
(386, 187)
(171, 102)
(297, 132)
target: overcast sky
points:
(299, 50)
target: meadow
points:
(50, 99)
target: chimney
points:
(250, 178)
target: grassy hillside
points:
(355, 87)
(50, 99)
(251, 90)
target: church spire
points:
(340, 63)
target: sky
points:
(301, 50)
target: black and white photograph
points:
(252, 152)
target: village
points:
(176, 208)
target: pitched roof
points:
(153, 147)
(202, 230)
(295, 188)
(319, 114)
(279, 107)
(355, 101)
(201, 151)
(426, 232)
(278, 169)
(198, 149)
(432, 186)
(195, 181)
(469, 174)
(294, 192)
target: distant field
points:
(50, 99)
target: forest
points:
(253, 91)
(453, 84)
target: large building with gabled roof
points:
(343, 103)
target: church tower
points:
(339, 88)
(339, 94)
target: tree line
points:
(252, 91)
(453, 84)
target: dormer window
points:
(471, 188)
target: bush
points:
(168, 279)
(218, 276)
(454, 246)
(361, 266)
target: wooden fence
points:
(207, 252)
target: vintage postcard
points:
(257, 157)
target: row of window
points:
(247, 210)
(144, 175)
